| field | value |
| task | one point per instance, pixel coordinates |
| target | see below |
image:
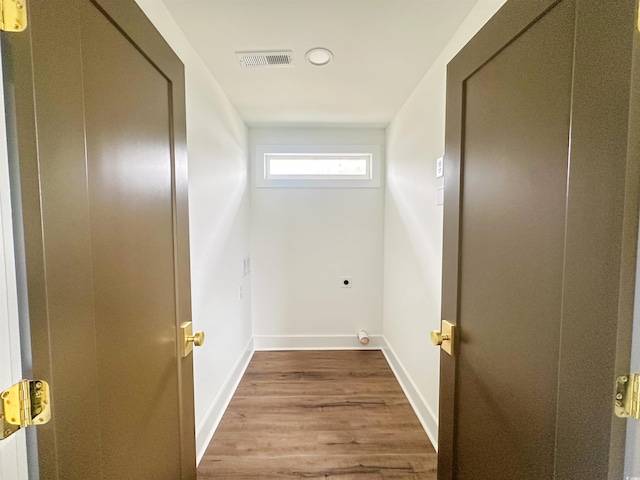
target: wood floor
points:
(319, 414)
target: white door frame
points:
(632, 450)
(13, 450)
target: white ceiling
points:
(381, 48)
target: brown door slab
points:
(96, 99)
(538, 193)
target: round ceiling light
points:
(319, 56)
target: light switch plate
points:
(440, 167)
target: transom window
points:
(314, 166)
(326, 166)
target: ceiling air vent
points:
(282, 58)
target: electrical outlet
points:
(346, 282)
(240, 293)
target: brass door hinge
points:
(26, 403)
(14, 15)
(627, 401)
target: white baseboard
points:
(315, 342)
(424, 413)
(206, 429)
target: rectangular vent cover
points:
(265, 59)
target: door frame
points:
(22, 118)
(597, 282)
(13, 458)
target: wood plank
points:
(282, 442)
(327, 386)
(340, 467)
(319, 414)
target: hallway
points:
(294, 212)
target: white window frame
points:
(263, 180)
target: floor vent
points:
(265, 59)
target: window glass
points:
(315, 166)
(318, 166)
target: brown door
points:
(96, 101)
(541, 213)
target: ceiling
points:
(381, 49)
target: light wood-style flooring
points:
(319, 414)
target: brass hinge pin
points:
(635, 399)
(25, 404)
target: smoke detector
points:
(282, 58)
(319, 56)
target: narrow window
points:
(308, 166)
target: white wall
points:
(413, 225)
(219, 228)
(304, 240)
